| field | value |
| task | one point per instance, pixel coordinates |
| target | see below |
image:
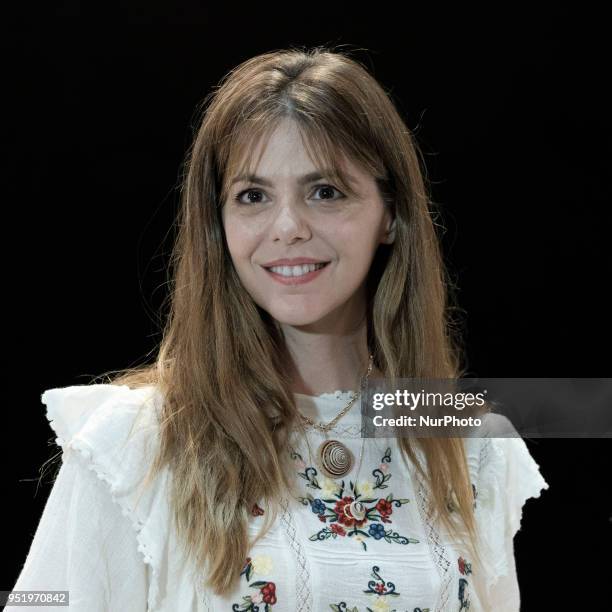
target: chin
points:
(294, 317)
(296, 320)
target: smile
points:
(292, 275)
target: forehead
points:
(279, 145)
(285, 151)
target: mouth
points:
(300, 270)
(296, 274)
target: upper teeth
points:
(296, 270)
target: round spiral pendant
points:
(335, 459)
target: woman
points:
(231, 474)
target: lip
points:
(295, 261)
(297, 280)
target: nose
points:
(290, 222)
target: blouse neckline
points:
(326, 406)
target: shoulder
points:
(113, 430)
(89, 413)
(113, 427)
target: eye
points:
(328, 189)
(239, 199)
(254, 196)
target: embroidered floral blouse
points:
(115, 551)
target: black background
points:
(511, 108)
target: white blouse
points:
(111, 546)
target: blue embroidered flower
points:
(318, 507)
(377, 531)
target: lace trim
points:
(338, 394)
(437, 549)
(303, 596)
(483, 459)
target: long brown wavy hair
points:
(222, 367)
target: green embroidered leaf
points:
(358, 532)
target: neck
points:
(325, 362)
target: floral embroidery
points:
(352, 514)
(256, 510)
(382, 590)
(463, 597)
(266, 591)
(465, 569)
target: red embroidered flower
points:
(256, 510)
(384, 507)
(268, 593)
(338, 529)
(343, 510)
(379, 587)
(464, 566)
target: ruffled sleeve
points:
(507, 476)
(102, 535)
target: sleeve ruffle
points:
(114, 428)
(507, 477)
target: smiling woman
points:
(306, 263)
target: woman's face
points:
(284, 214)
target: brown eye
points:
(328, 189)
(248, 192)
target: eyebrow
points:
(303, 180)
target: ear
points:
(389, 234)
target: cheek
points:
(357, 241)
(240, 240)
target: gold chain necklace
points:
(334, 458)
